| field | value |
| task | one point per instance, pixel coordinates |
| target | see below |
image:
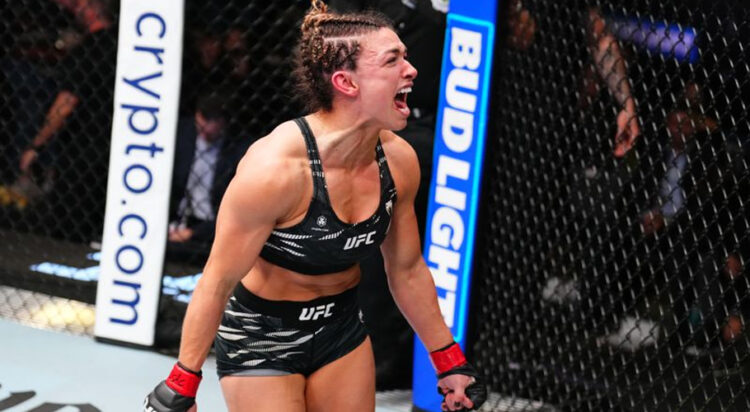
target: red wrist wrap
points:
(446, 359)
(183, 381)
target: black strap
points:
(320, 191)
(312, 147)
(316, 164)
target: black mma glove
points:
(451, 361)
(176, 394)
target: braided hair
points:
(329, 42)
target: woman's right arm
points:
(255, 200)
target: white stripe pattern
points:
(294, 252)
(290, 243)
(283, 333)
(332, 235)
(253, 362)
(290, 236)
(223, 328)
(231, 336)
(242, 314)
(279, 345)
(286, 249)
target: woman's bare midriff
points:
(272, 282)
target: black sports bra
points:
(321, 243)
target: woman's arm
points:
(255, 200)
(261, 194)
(413, 289)
(409, 278)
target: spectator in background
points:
(220, 60)
(683, 124)
(694, 228)
(720, 307)
(34, 40)
(237, 84)
(237, 53)
(421, 28)
(250, 44)
(80, 119)
(662, 257)
(609, 66)
(599, 61)
(592, 124)
(521, 26)
(735, 299)
(205, 161)
(201, 64)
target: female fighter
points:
(308, 202)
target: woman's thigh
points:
(344, 385)
(264, 393)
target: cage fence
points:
(613, 277)
(607, 277)
(57, 77)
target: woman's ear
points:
(344, 83)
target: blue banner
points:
(460, 134)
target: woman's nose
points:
(411, 71)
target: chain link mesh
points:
(614, 279)
(603, 282)
(57, 68)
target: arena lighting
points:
(43, 311)
(63, 313)
(179, 287)
(460, 134)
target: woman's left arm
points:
(413, 289)
(409, 278)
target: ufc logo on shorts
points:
(355, 241)
(315, 312)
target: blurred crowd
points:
(657, 236)
(57, 75)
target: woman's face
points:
(384, 77)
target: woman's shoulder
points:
(269, 183)
(284, 141)
(279, 155)
(397, 149)
(402, 160)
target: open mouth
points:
(400, 101)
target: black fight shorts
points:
(259, 337)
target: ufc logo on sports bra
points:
(315, 312)
(356, 241)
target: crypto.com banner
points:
(457, 170)
(144, 122)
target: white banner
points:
(144, 123)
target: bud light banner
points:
(144, 122)
(457, 170)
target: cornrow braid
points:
(329, 42)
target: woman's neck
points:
(343, 139)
